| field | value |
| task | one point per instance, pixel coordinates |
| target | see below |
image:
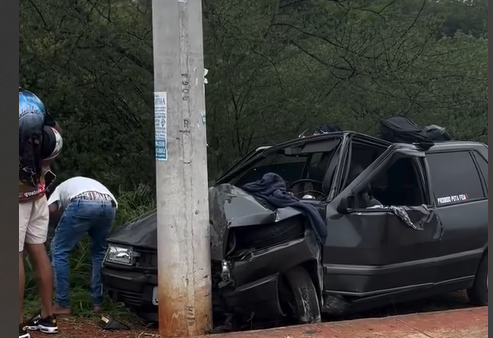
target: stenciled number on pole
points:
(185, 87)
(185, 94)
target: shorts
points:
(33, 222)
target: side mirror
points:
(346, 205)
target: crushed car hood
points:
(229, 206)
(141, 232)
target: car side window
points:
(455, 177)
(483, 165)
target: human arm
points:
(50, 121)
(54, 214)
(54, 208)
(46, 165)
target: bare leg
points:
(44, 275)
(21, 286)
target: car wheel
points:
(478, 294)
(306, 306)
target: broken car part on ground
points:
(330, 223)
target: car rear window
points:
(455, 177)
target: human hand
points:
(45, 164)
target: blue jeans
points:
(81, 216)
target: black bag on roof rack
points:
(437, 133)
(400, 129)
(328, 128)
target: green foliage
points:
(276, 67)
(87, 60)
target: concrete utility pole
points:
(184, 272)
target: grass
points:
(131, 205)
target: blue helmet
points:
(31, 125)
(29, 103)
(31, 116)
(33, 129)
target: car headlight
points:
(119, 254)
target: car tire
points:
(478, 294)
(306, 303)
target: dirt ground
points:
(71, 327)
(464, 323)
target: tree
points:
(276, 67)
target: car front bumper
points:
(134, 289)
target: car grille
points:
(147, 259)
(245, 239)
(130, 298)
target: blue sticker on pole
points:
(160, 125)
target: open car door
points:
(376, 251)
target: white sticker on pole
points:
(160, 125)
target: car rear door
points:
(462, 205)
(371, 251)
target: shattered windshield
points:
(306, 161)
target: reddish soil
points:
(470, 323)
(465, 323)
(71, 327)
(431, 322)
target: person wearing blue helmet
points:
(39, 142)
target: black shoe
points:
(23, 331)
(45, 325)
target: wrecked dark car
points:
(352, 222)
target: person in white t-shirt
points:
(78, 206)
